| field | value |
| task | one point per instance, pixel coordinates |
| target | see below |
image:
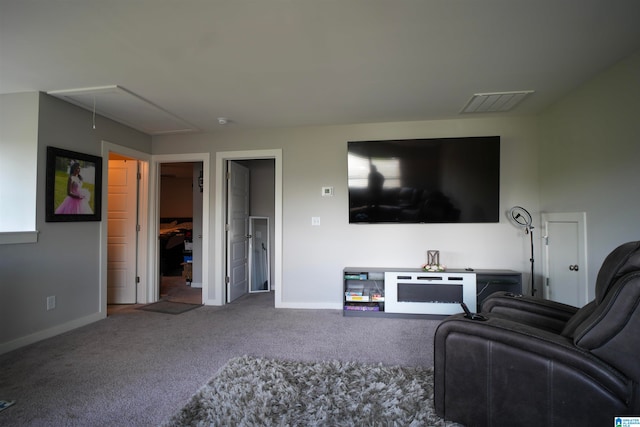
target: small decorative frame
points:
(433, 257)
(74, 186)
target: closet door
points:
(122, 233)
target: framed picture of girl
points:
(74, 186)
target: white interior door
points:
(237, 231)
(565, 258)
(122, 231)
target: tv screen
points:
(443, 180)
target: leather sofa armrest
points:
(538, 312)
(532, 340)
(499, 369)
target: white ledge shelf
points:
(18, 237)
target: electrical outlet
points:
(315, 220)
(51, 302)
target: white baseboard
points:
(300, 305)
(51, 332)
(310, 305)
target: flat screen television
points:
(438, 180)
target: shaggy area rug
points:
(262, 392)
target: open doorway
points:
(180, 232)
(124, 233)
(271, 161)
(250, 194)
(166, 164)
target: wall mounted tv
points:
(443, 180)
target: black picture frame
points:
(72, 194)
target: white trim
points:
(312, 305)
(219, 244)
(154, 213)
(51, 332)
(17, 237)
(144, 237)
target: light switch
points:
(315, 220)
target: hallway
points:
(172, 288)
(176, 289)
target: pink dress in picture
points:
(73, 205)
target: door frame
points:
(581, 219)
(219, 285)
(144, 267)
(153, 288)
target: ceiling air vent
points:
(495, 102)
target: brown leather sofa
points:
(527, 361)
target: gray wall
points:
(590, 158)
(313, 157)
(176, 197)
(65, 260)
(580, 155)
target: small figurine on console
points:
(433, 262)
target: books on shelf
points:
(362, 307)
(356, 289)
(362, 295)
(356, 298)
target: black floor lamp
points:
(520, 217)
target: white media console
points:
(428, 292)
(399, 292)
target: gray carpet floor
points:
(137, 368)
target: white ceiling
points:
(280, 63)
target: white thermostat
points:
(327, 191)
